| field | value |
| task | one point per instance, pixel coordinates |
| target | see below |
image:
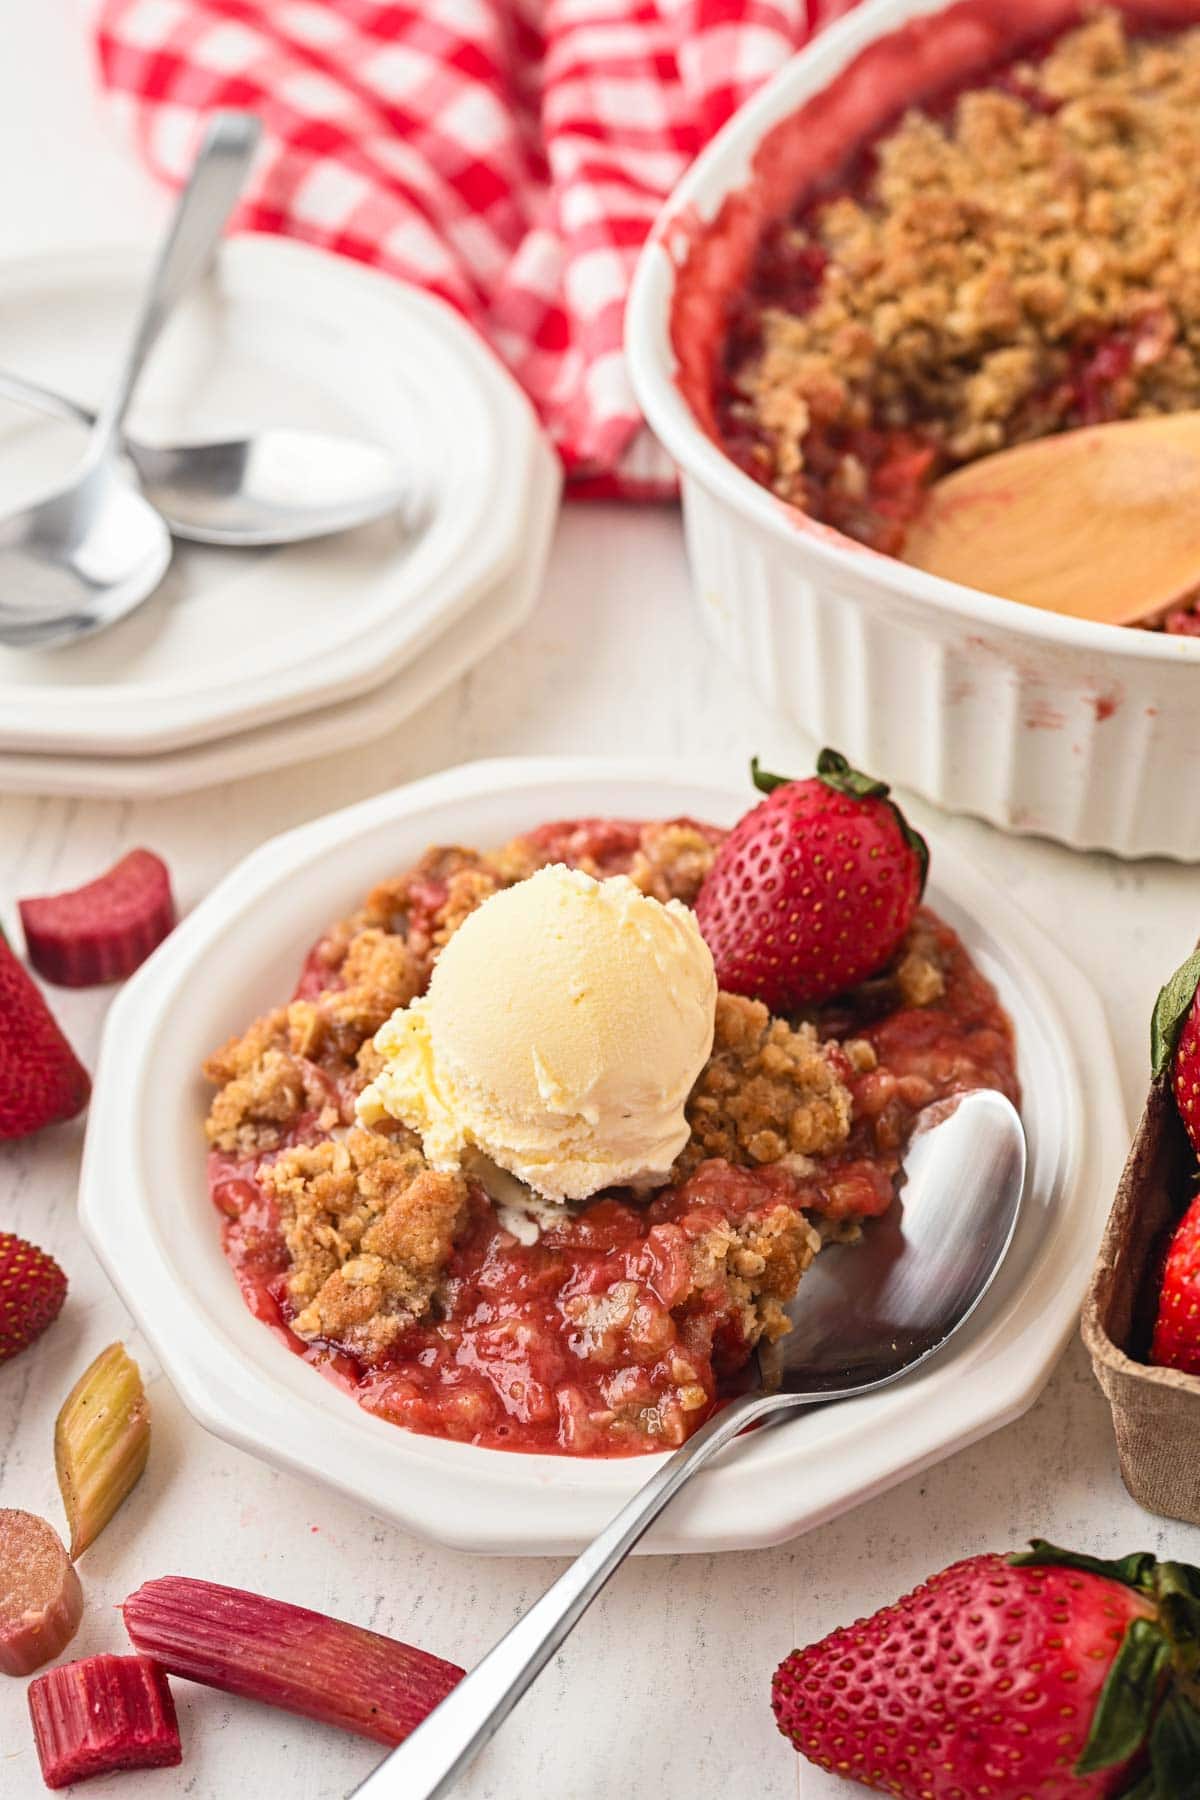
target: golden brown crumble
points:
(920, 980)
(769, 1091)
(673, 860)
(380, 973)
(253, 1110)
(760, 1264)
(991, 252)
(369, 1230)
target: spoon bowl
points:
(868, 1311)
(859, 1325)
(79, 559)
(272, 486)
(276, 487)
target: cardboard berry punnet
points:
(1156, 1411)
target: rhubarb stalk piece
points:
(41, 1601)
(101, 1442)
(102, 1714)
(103, 931)
(288, 1656)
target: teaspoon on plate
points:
(273, 486)
(866, 1314)
(85, 555)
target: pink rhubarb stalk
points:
(288, 1656)
(102, 1714)
(103, 931)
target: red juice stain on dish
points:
(537, 1347)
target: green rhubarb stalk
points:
(101, 1442)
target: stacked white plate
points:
(247, 660)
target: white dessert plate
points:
(499, 612)
(289, 335)
(146, 1210)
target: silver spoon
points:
(95, 548)
(276, 486)
(865, 1315)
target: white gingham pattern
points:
(509, 155)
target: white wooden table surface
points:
(663, 1689)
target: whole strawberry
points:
(41, 1078)
(32, 1291)
(1176, 1341)
(1042, 1676)
(1175, 1042)
(814, 889)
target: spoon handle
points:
(44, 399)
(200, 214)
(428, 1763)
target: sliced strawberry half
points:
(42, 1080)
(104, 931)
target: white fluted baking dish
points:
(1085, 733)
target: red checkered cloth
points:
(508, 155)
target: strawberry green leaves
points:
(1137, 1570)
(1148, 1698)
(1170, 1010)
(1125, 1711)
(1175, 1751)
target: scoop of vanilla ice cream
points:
(563, 1029)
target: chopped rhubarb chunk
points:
(41, 1601)
(101, 1442)
(287, 1656)
(103, 931)
(101, 1714)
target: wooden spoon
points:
(1101, 523)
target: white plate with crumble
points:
(511, 1415)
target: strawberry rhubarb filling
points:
(1009, 259)
(523, 1238)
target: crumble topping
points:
(266, 1081)
(1016, 263)
(769, 1091)
(369, 1229)
(672, 861)
(759, 1264)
